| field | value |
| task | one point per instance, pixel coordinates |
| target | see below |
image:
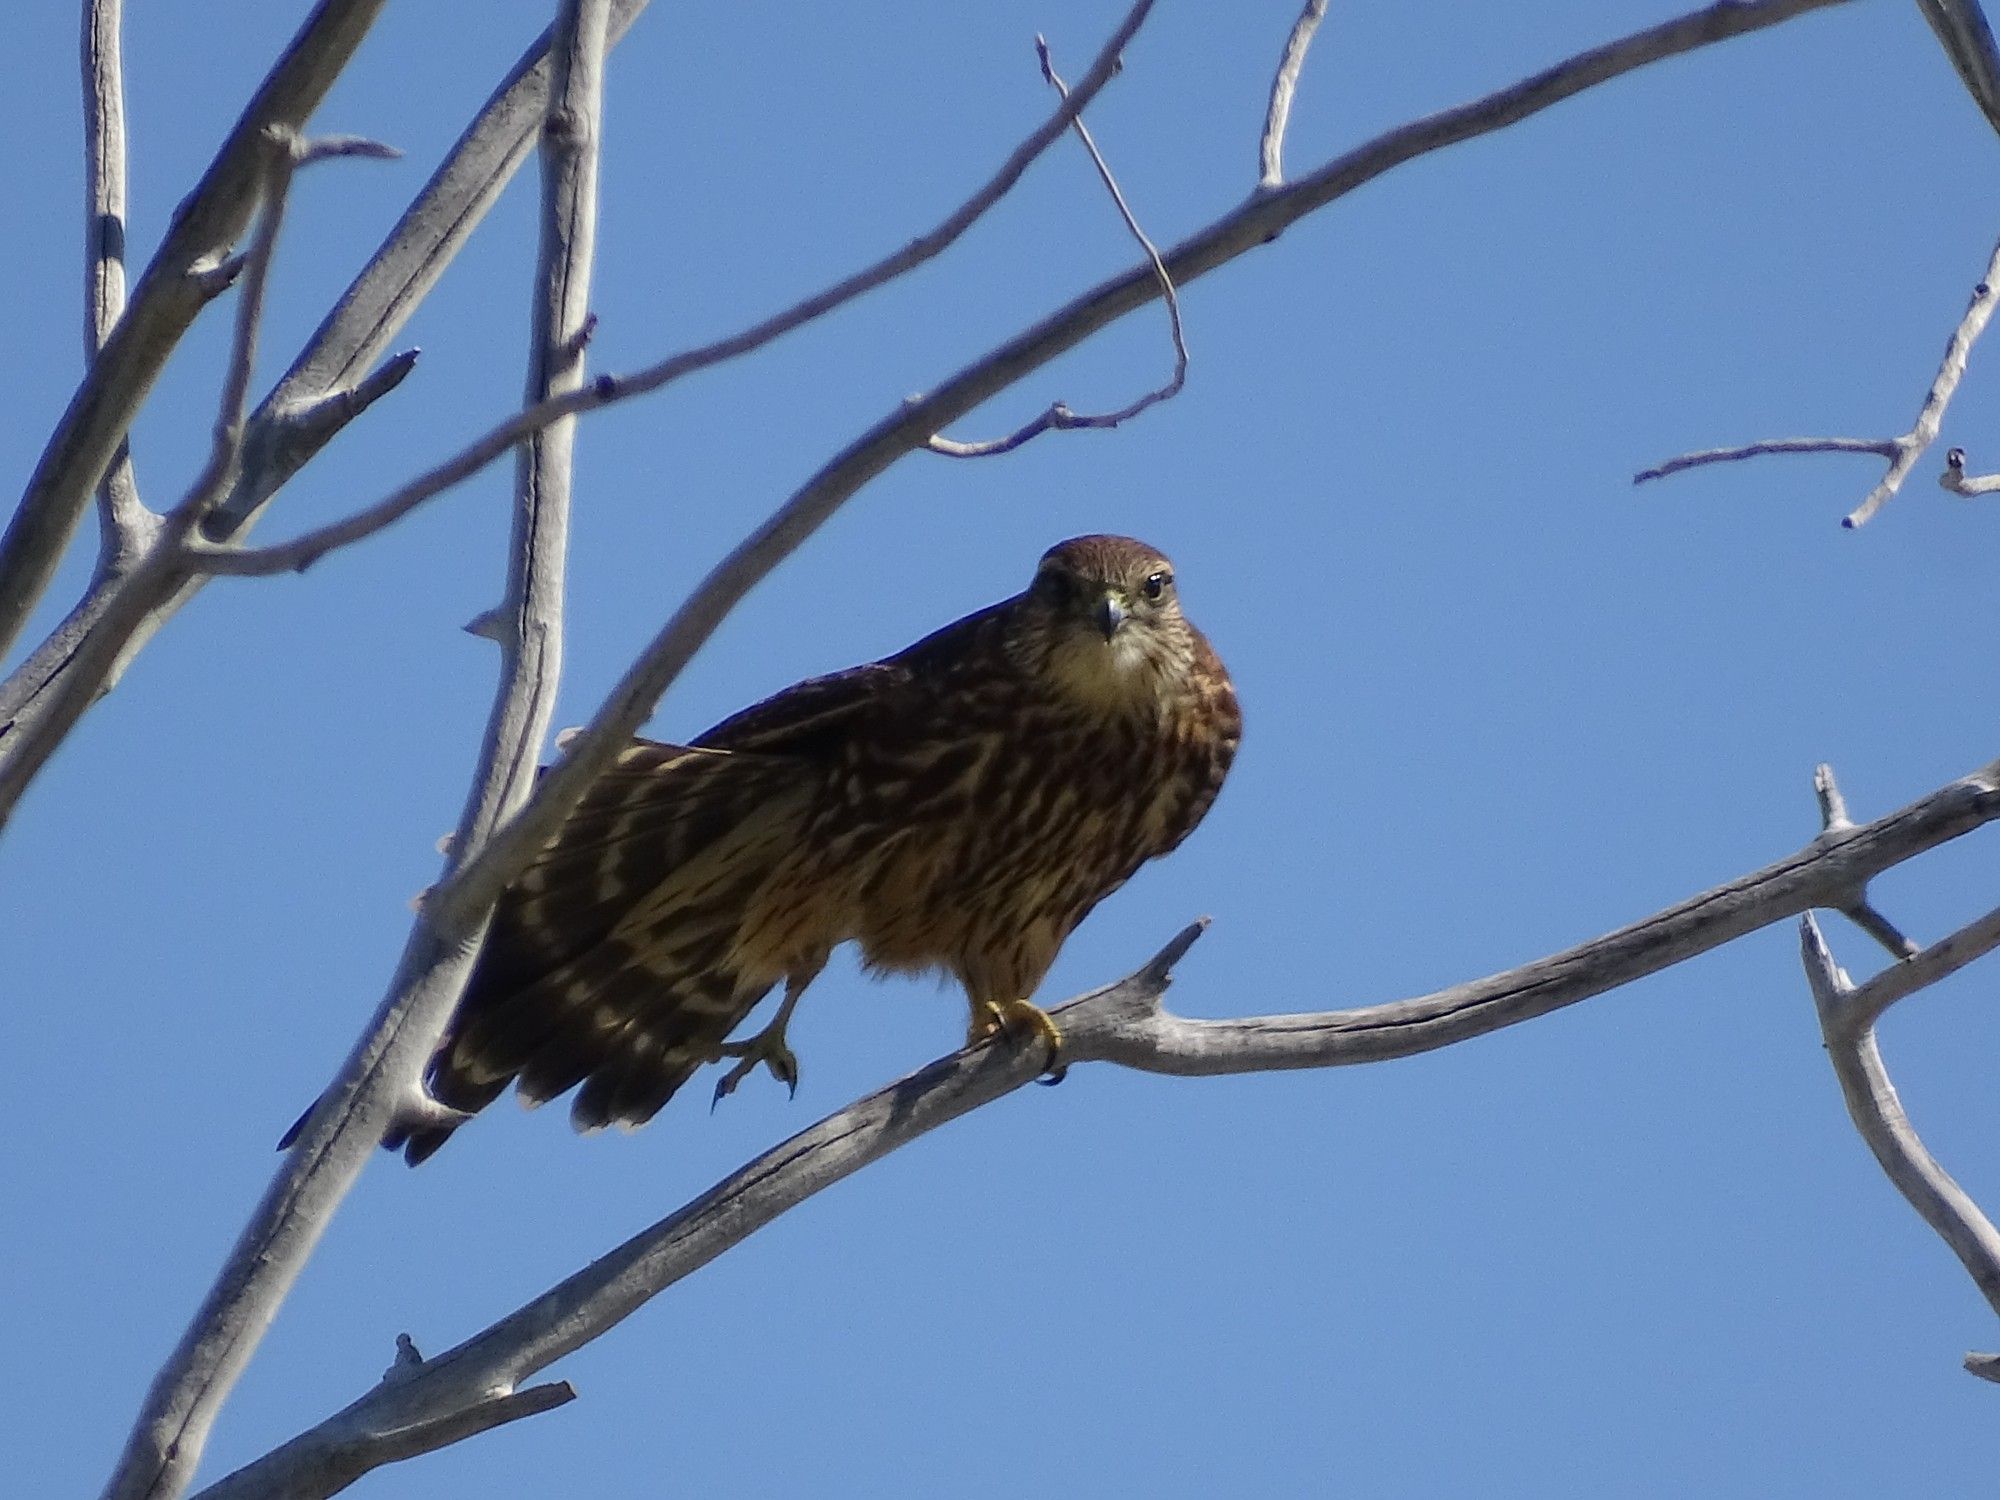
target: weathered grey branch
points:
(163, 304)
(330, 1457)
(916, 421)
(1271, 148)
(428, 1396)
(1968, 41)
(384, 1068)
(303, 551)
(1847, 1017)
(1126, 1024)
(1059, 416)
(329, 385)
(298, 1205)
(131, 589)
(1856, 906)
(1902, 452)
(125, 525)
(324, 390)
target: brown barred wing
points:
(612, 960)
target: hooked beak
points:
(1107, 614)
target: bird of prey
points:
(957, 807)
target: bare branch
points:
(437, 1391)
(1059, 415)
(327, 386)
(129, 592)
(163, 304)
(1271, 149)
(27, 699)
(1847, 1017)
(1968, 41)
(1863, 1005)
(1126, 1024)
(303, 551)
(124, 523)
(1855, 905)
(381, 1076)
(916, 421)
(1902, 452)
(1880, 447)
(330, 1457)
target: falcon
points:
(958, 807)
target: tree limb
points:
(1902, 452)
(917, 420)
(131, 590)
(1059, 416)
(1847, 1017)
(328, 385)
(384, 1068)
(163, 305)
(1126, 1024)
(124, 523)
(431, 1394)
(1278, 117)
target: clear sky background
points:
(1498, 702)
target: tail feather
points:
(612, 962)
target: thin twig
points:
(1059, 416)
(163, 305)
(1271, 148)
(1880, 447)
(428, 1396)
(301, 552)
(1847, 1017)
(328, 385)
(1854, 905)
(125, 525)
(99, 653)
(914, 422)
(1901, 452)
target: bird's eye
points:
(1052, 585)
(1156, 584)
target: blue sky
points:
(1498, 701)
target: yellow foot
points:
(766, 1047)
(1020, 1019)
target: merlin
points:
(958, 807)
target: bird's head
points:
(1102, 621)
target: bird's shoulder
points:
(810, 717)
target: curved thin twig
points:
(1059, 416)
(301, 552)
(163, 305)
(125, 525)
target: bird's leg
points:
(766, 1047)
(1019, 1019)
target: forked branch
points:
(1901, 452)
(1059, 417)
(1127, 1024)
(1847, 1017)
